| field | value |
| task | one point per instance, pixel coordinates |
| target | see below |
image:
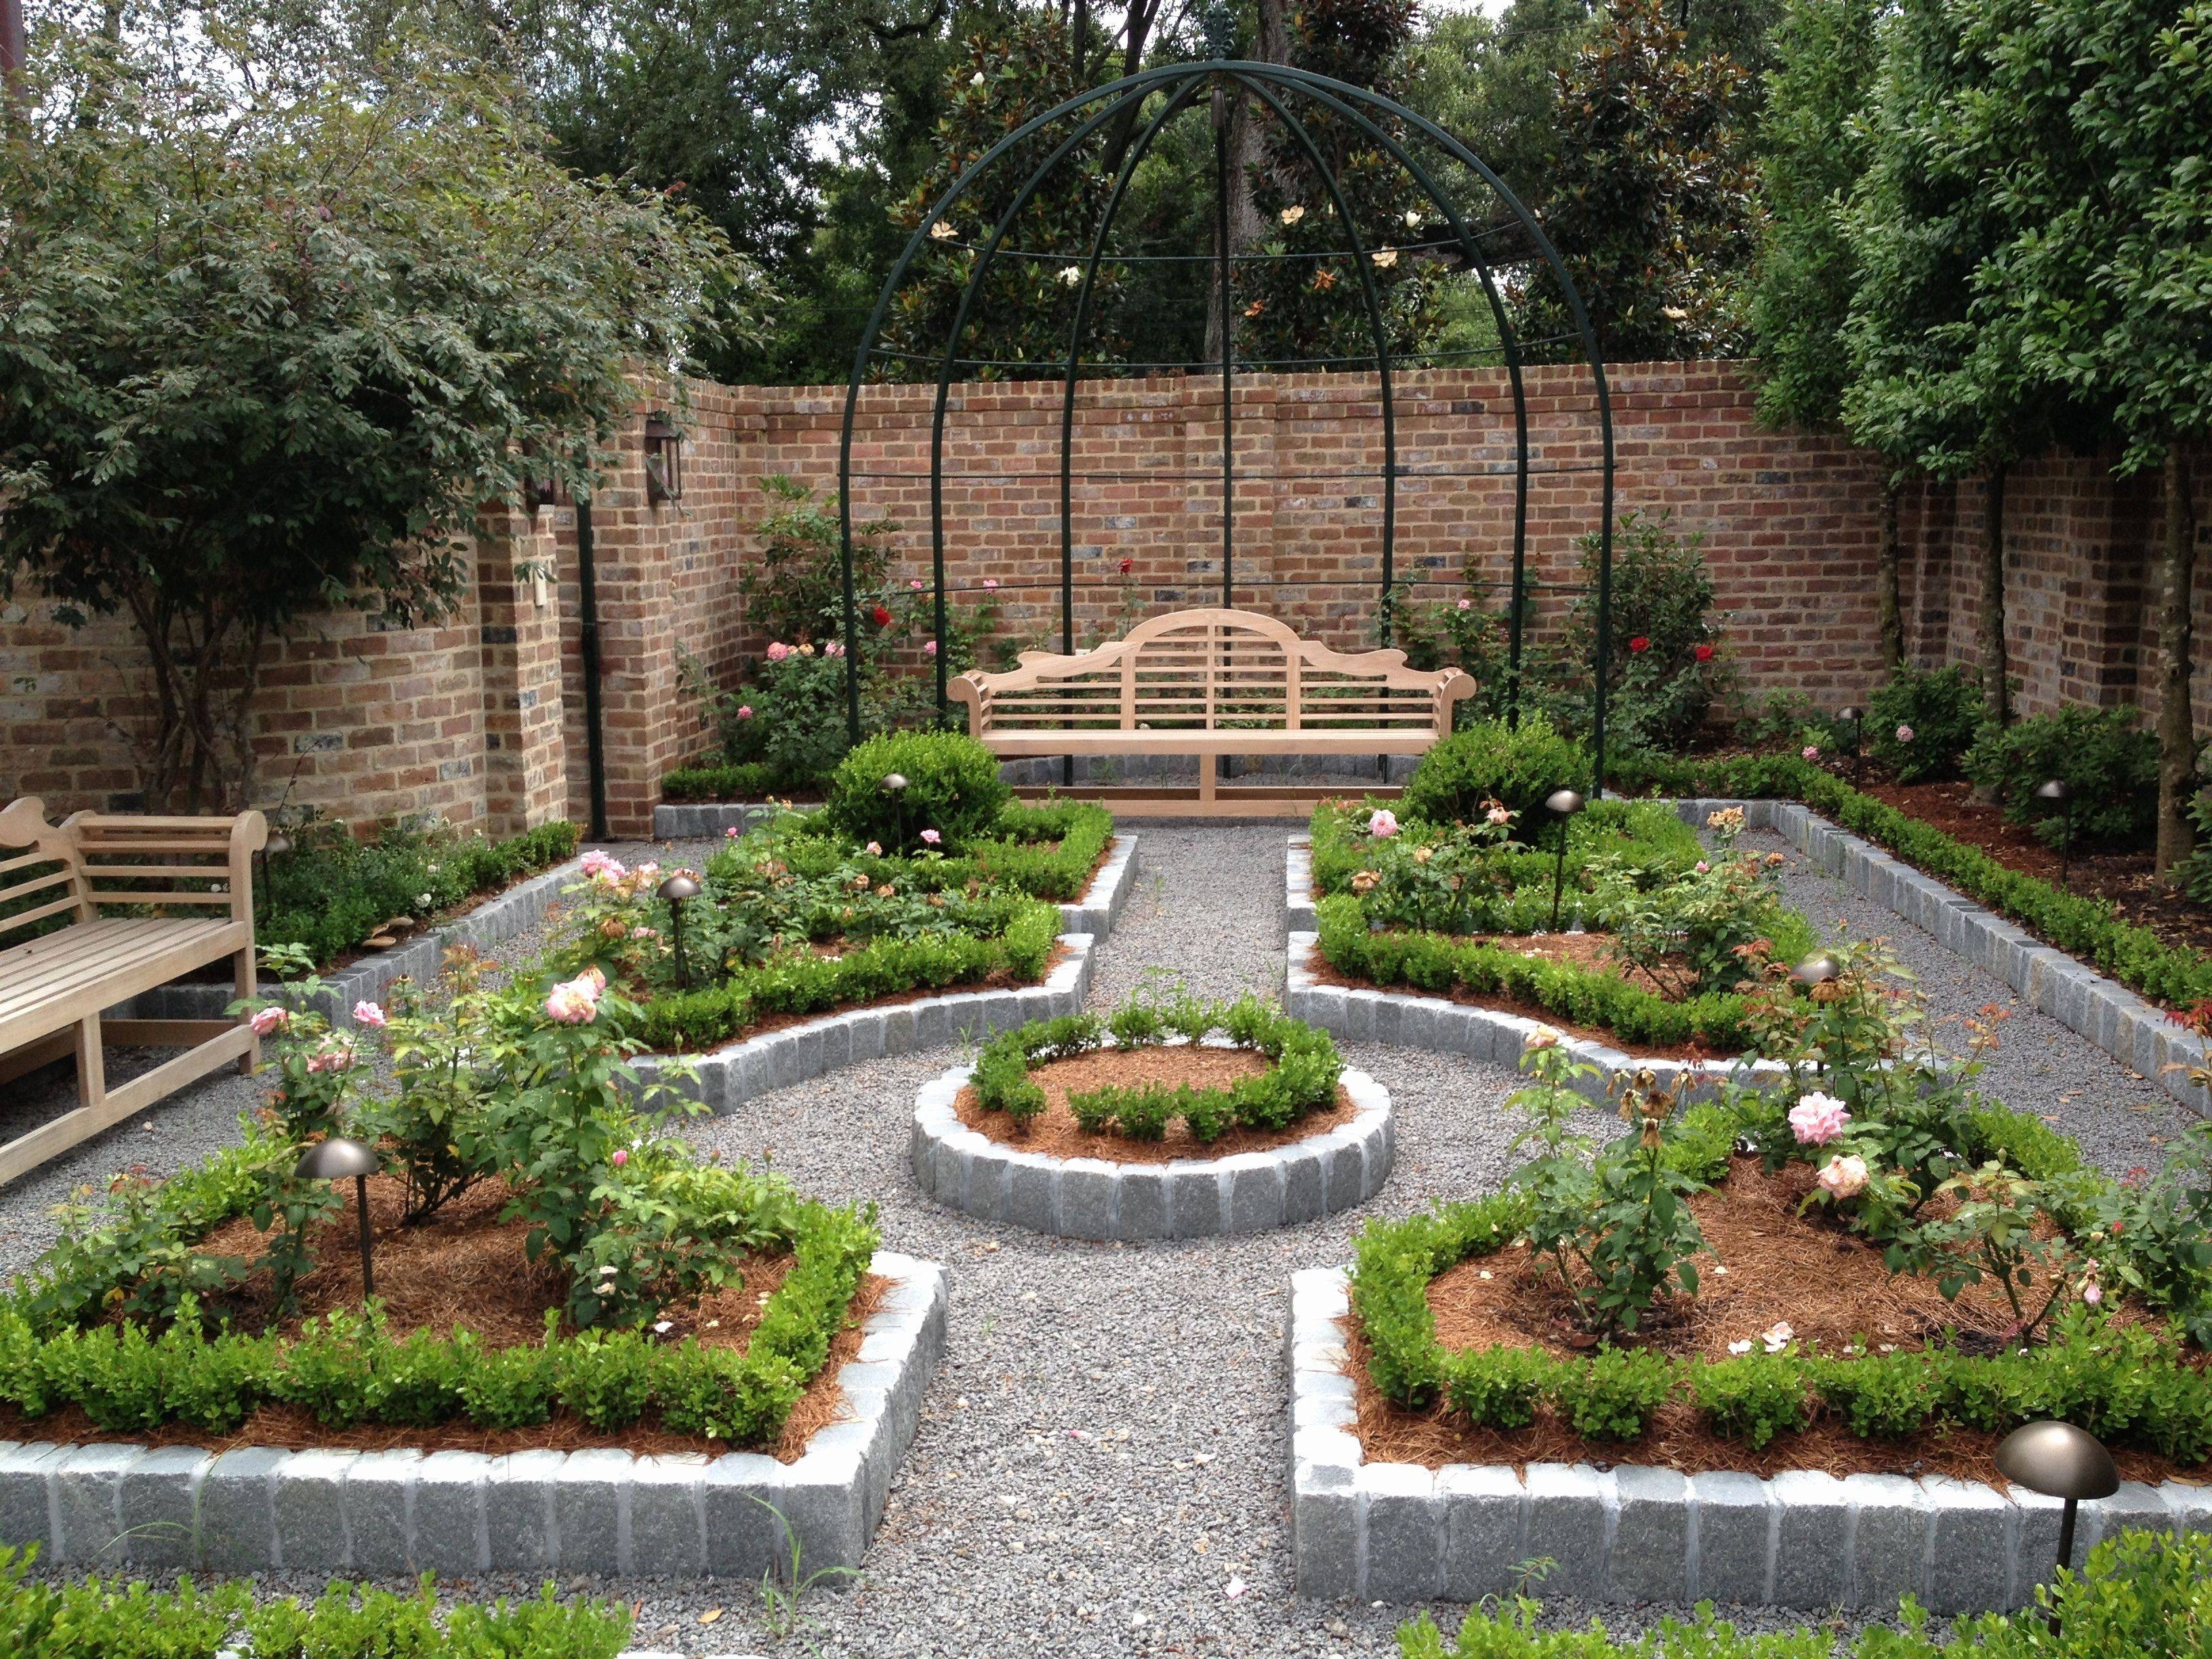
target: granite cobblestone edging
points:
(459, 1514)
(1414, 1020)
(2131, 1030)
(1095, 912)
(1803, 1539)
(1186, 1197)
(723, 1078)
(498, 919)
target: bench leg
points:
(241, 975)
(1207, 766)
(91, 1064)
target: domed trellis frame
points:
(1272, 85)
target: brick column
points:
(526, 757)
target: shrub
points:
(953, 788)
(1614, 1393)
(731, 780)
(1943, 710)
(2110, 765)
(1517, 765)
(1664, 666)
(1751, 1398)
(1498, 1387)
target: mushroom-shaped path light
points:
(1561, 804)
(334, 1159)
(2059, 1460)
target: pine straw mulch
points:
(464, 1267)
(1055, 1132)
(1585, 950)
(2128, 880)
(1829, 1286)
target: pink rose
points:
(572, 1002)
(1467, 604)
(268, 1020)
(1811, 752)
(732, 833)
(1383, 824)
(1817, 1119)
(596, 977)
(2092, 1292)
(369, 1014)
(1843, 1177)
(931, 836)
(603, 866)
(777, 651)
(745, 711)
(834, 648)
(1703, 868)
(990, 585)
(1904, 734)
(929, 648)
(915, 584)
(336, 1058)
(620, 1156)
(875, 849)
(1499, 815)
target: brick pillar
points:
(526, 757)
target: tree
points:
(1814, 147)
(2097, 132)
(1651, 206)
(264, 354)
(1493, 83)
(1928, 380)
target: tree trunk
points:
(2176, 718)
(1248, 154)
(1886, 559)
(1990, 626)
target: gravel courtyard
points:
(1101, 1465)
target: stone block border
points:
(2140, 1036)
(1400, 1532)
(1186, 1197)
(460, 1514)
(498, 919)
(1095, 912)
(724, 1078)
(1413, 1021)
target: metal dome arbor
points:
(1276, 86)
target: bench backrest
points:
(53, 874)
(1208, 670)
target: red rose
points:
(883, 617)
(1704, 654)
(1128, 565)
(1639, 644)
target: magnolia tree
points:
(270, 352)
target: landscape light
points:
(334, 1159)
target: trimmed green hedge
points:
(1046, 851)
(2089, 928)
(1641, 834)
(805, 984)
(720, 780)
(108, 1618)
(2138, 1594)
(2129, 1383)
(1442, 964)
(345, 1370)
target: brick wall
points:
(481, 717)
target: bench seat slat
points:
(32, 1007)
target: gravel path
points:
(1101, 1464)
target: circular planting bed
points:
(1100, 1128)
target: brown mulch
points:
(2127, 880)
(1771, 1255)
(464, 1267)
(1055, 1132)
(1583, 950)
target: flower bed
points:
(2001, 1280)
(1095, 1127)
(1461, 911)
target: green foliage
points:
(1652, 205)
(1920, 724)
(1490, 761)
(107, 1619)
(1614, 1393)
(2137, 1593)
(1751, 1398)
(721, 780)
(330, 892)
(1664, 668)
(953, 790)
(1811, 151)
(269, 349)
(1499, 1388)
(2111, 764)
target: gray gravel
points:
(1101, 1465)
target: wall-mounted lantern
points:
(664, 460)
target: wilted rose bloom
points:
(613, 928)
(1363, 881)
(1423, 854)
(268, 1020)
(369, 1014)
(932, 837)
(1744, 1346)
(1843, 1177)
(1817, 1119)
(1904, 734)
(875, 851)
(572, 1002)
(1544, 1037)
(1500, 815)
(2091, 1291)
(777, 651)
(1777, 1336)
(594, 976)
(1383, 824)
(336, 1058)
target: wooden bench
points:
(1209, 683)
(187, 887)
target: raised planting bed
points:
(1094, 1127)
(1800, 1325)
(566, 1297)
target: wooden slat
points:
(158, 898)
(162, 1033)
(158, 871)
(38, 912)
(36, 884)
(28, 1152)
